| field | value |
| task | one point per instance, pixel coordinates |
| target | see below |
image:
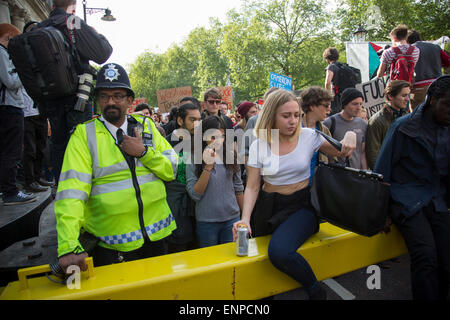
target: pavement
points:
(393, 283)
(21, 221)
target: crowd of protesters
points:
(256, 158)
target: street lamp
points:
(107, 17)
(360, 34)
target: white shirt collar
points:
(113, 129)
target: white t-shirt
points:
(290, 168)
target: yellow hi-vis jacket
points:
(99, 192)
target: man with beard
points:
(111, 184)
(183, 208)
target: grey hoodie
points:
(11, 86)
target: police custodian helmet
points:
(113, 76)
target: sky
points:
(151, 25)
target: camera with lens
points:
(85, 88)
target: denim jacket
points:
(417, 172)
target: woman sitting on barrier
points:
(282, 155)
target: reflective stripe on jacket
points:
(99, 192)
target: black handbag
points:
(352, 199)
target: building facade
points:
(20, 12)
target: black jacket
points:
(89, 44)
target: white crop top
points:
(288, 169)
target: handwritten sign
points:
(280, 81)
(373, 92)
(136, 102)
(170, 97)
(227, 95)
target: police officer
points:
(111, 184)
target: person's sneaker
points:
(45, 183)
(35, 187)
(19, 198)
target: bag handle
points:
(335, 144)
(331, 140)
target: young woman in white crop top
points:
(282, 156)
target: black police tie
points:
(119, 135)
(128, 158)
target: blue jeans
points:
(286, 239)
(214, 233)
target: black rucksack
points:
(46, 62)
(347, 77)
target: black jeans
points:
(63, 120)
(34, 144)
(11, 139)
(427, 236)
(103, 256)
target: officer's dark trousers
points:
(34, 143)
(427, 236)
(11, 140)
(103, 256)
(63, 119)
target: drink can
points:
(242, 241)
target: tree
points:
(429, 17)
(145, 75)
(245, 48)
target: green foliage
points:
(283, 36)
(430, 17)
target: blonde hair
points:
(267, 117)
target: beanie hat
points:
(349, 95)
(244, 107)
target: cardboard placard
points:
(373, 92)
(170, 97)
(136, 102)
(227, 95)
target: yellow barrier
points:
(216, 272)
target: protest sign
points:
(136, 102)
(227, 95)
(280, 81)
(373, 92)
(170, 97)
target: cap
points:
(349, 95)
(113, 76)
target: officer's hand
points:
(133, 146)
(73, 260)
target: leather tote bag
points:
(352, 199)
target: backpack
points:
(46, 63)
(403, 67)
(347, 77)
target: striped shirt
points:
(390, 56)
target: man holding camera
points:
(89, 45)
